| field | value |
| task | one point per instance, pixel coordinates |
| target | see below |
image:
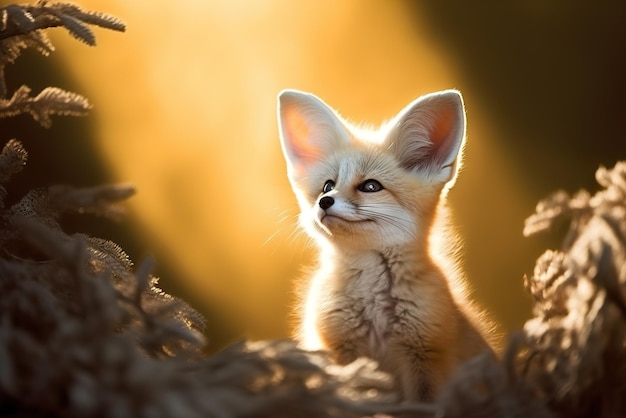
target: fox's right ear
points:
(309, 130)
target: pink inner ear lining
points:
(298, 133)
(444, 126)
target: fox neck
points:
(409, 253)
(361, 257)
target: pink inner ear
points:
(299, 134)
(443, 126)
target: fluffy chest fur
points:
(377, 304)
(364, 304)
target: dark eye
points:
(370, 186)
(328, 186)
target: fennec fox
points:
(374, 200)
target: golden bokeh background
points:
(184, 109)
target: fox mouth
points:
(328, 218)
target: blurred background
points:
(185, 109)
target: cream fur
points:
(378, 291)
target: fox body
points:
(373, 200)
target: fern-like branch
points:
(100, 19)
(582, 205)
(50, 101)
(18, 20)
(21, 27)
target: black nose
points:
(326, 202)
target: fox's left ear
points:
(428, 135)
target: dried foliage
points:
(21, 27)
(23, 20)
(570, 358)
(50, 101)
(85, 333)
(576, 341)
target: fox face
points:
(370, 189)
(360, 199)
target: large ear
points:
(428, 135)
(309, 129)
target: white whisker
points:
(390, 215)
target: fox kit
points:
(372, 200)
